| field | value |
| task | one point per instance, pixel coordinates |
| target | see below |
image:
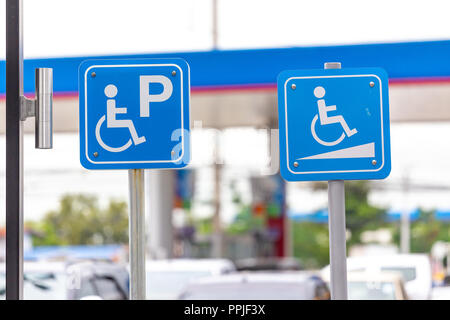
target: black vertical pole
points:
(14, 177)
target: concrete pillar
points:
(160, 193)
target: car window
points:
(322, 292)
(107, 289)
(362, 290)
(167, 285)
(85, 289)
(407, 273)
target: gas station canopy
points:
(237, 87)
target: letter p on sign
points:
(146, 97)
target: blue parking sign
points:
(134, 113)
(334, 124)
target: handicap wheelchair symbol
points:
(319, 92)
(112, 110)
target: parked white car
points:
(415, 270)
(375, 286)
(166, 278)
(442, 292)
(258, 286)
(51, 280)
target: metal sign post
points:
(336, 225)
(14, 151)
(137, 234)
(18, 109)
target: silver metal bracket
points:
(27, 108)
(41, 108)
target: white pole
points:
(405, 223)
(404, 232)
(214, 24)
(336, 223)
(217, 237)
(137, 234)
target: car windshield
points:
(40, 286)
(407, 273)
(168, 284)
(362, 290)
(249, 291)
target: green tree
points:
(80, 220)
(424, 232)
(310, 243)
(246, 220)
(361, 216)
(310, 240)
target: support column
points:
(160, 195)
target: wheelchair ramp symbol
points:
(362, 151)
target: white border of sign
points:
(86, 112)
(337, 76)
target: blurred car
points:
(258, 286)
(266, 264)
(59, 281)
(442, 292)
(415, 270)
(97, 280)
(375, 286)
(166, 278)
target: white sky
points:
(92, 27)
